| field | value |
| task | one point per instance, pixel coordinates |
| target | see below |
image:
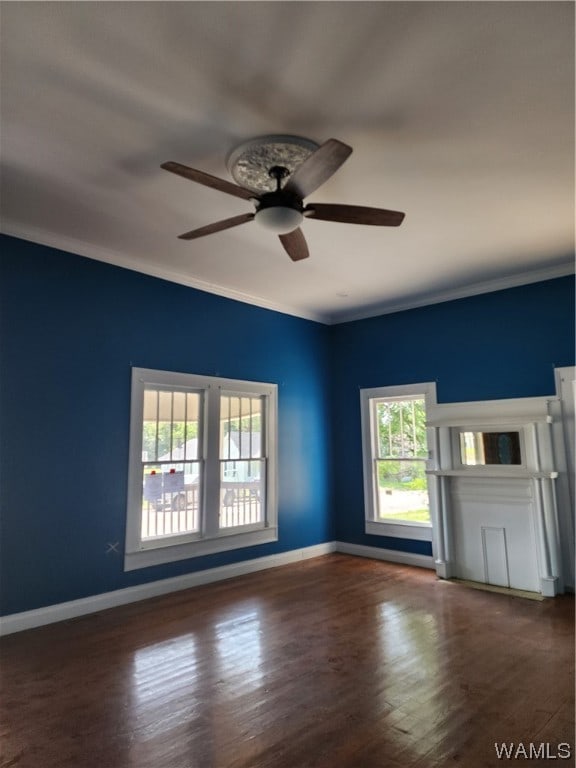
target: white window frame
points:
(209, 540)
(373, 526)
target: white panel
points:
(495, 556)
(472, 515)
(493, 490)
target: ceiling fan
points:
(297, 167)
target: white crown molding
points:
(540, 274)
(90, 251)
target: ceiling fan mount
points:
(261, 166)
(279, 172)
(251, 164)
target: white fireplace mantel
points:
(497, 523)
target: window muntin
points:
(202, 474)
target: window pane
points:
(241, 427)
(170, 499)
(192, 418)
(402, 491)
(164, 424)
(401, 426)
(170, 426)
(150, 426)
(241, 492)
(170, 466)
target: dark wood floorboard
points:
(336, 662)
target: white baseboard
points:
(17, 622)
(390, 555)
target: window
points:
(202, 467)
(396, 457)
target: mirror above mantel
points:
(490, 448)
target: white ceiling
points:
(461, 114)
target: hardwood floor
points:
(337, 662)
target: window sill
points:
(145, 558)
(422, 532)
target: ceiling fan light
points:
(279, 218)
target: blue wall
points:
(71, 330)
(497, 345)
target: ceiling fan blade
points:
(209, 181)
(318, 168)
(295, 245)
(354, 214)
(218, 226)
